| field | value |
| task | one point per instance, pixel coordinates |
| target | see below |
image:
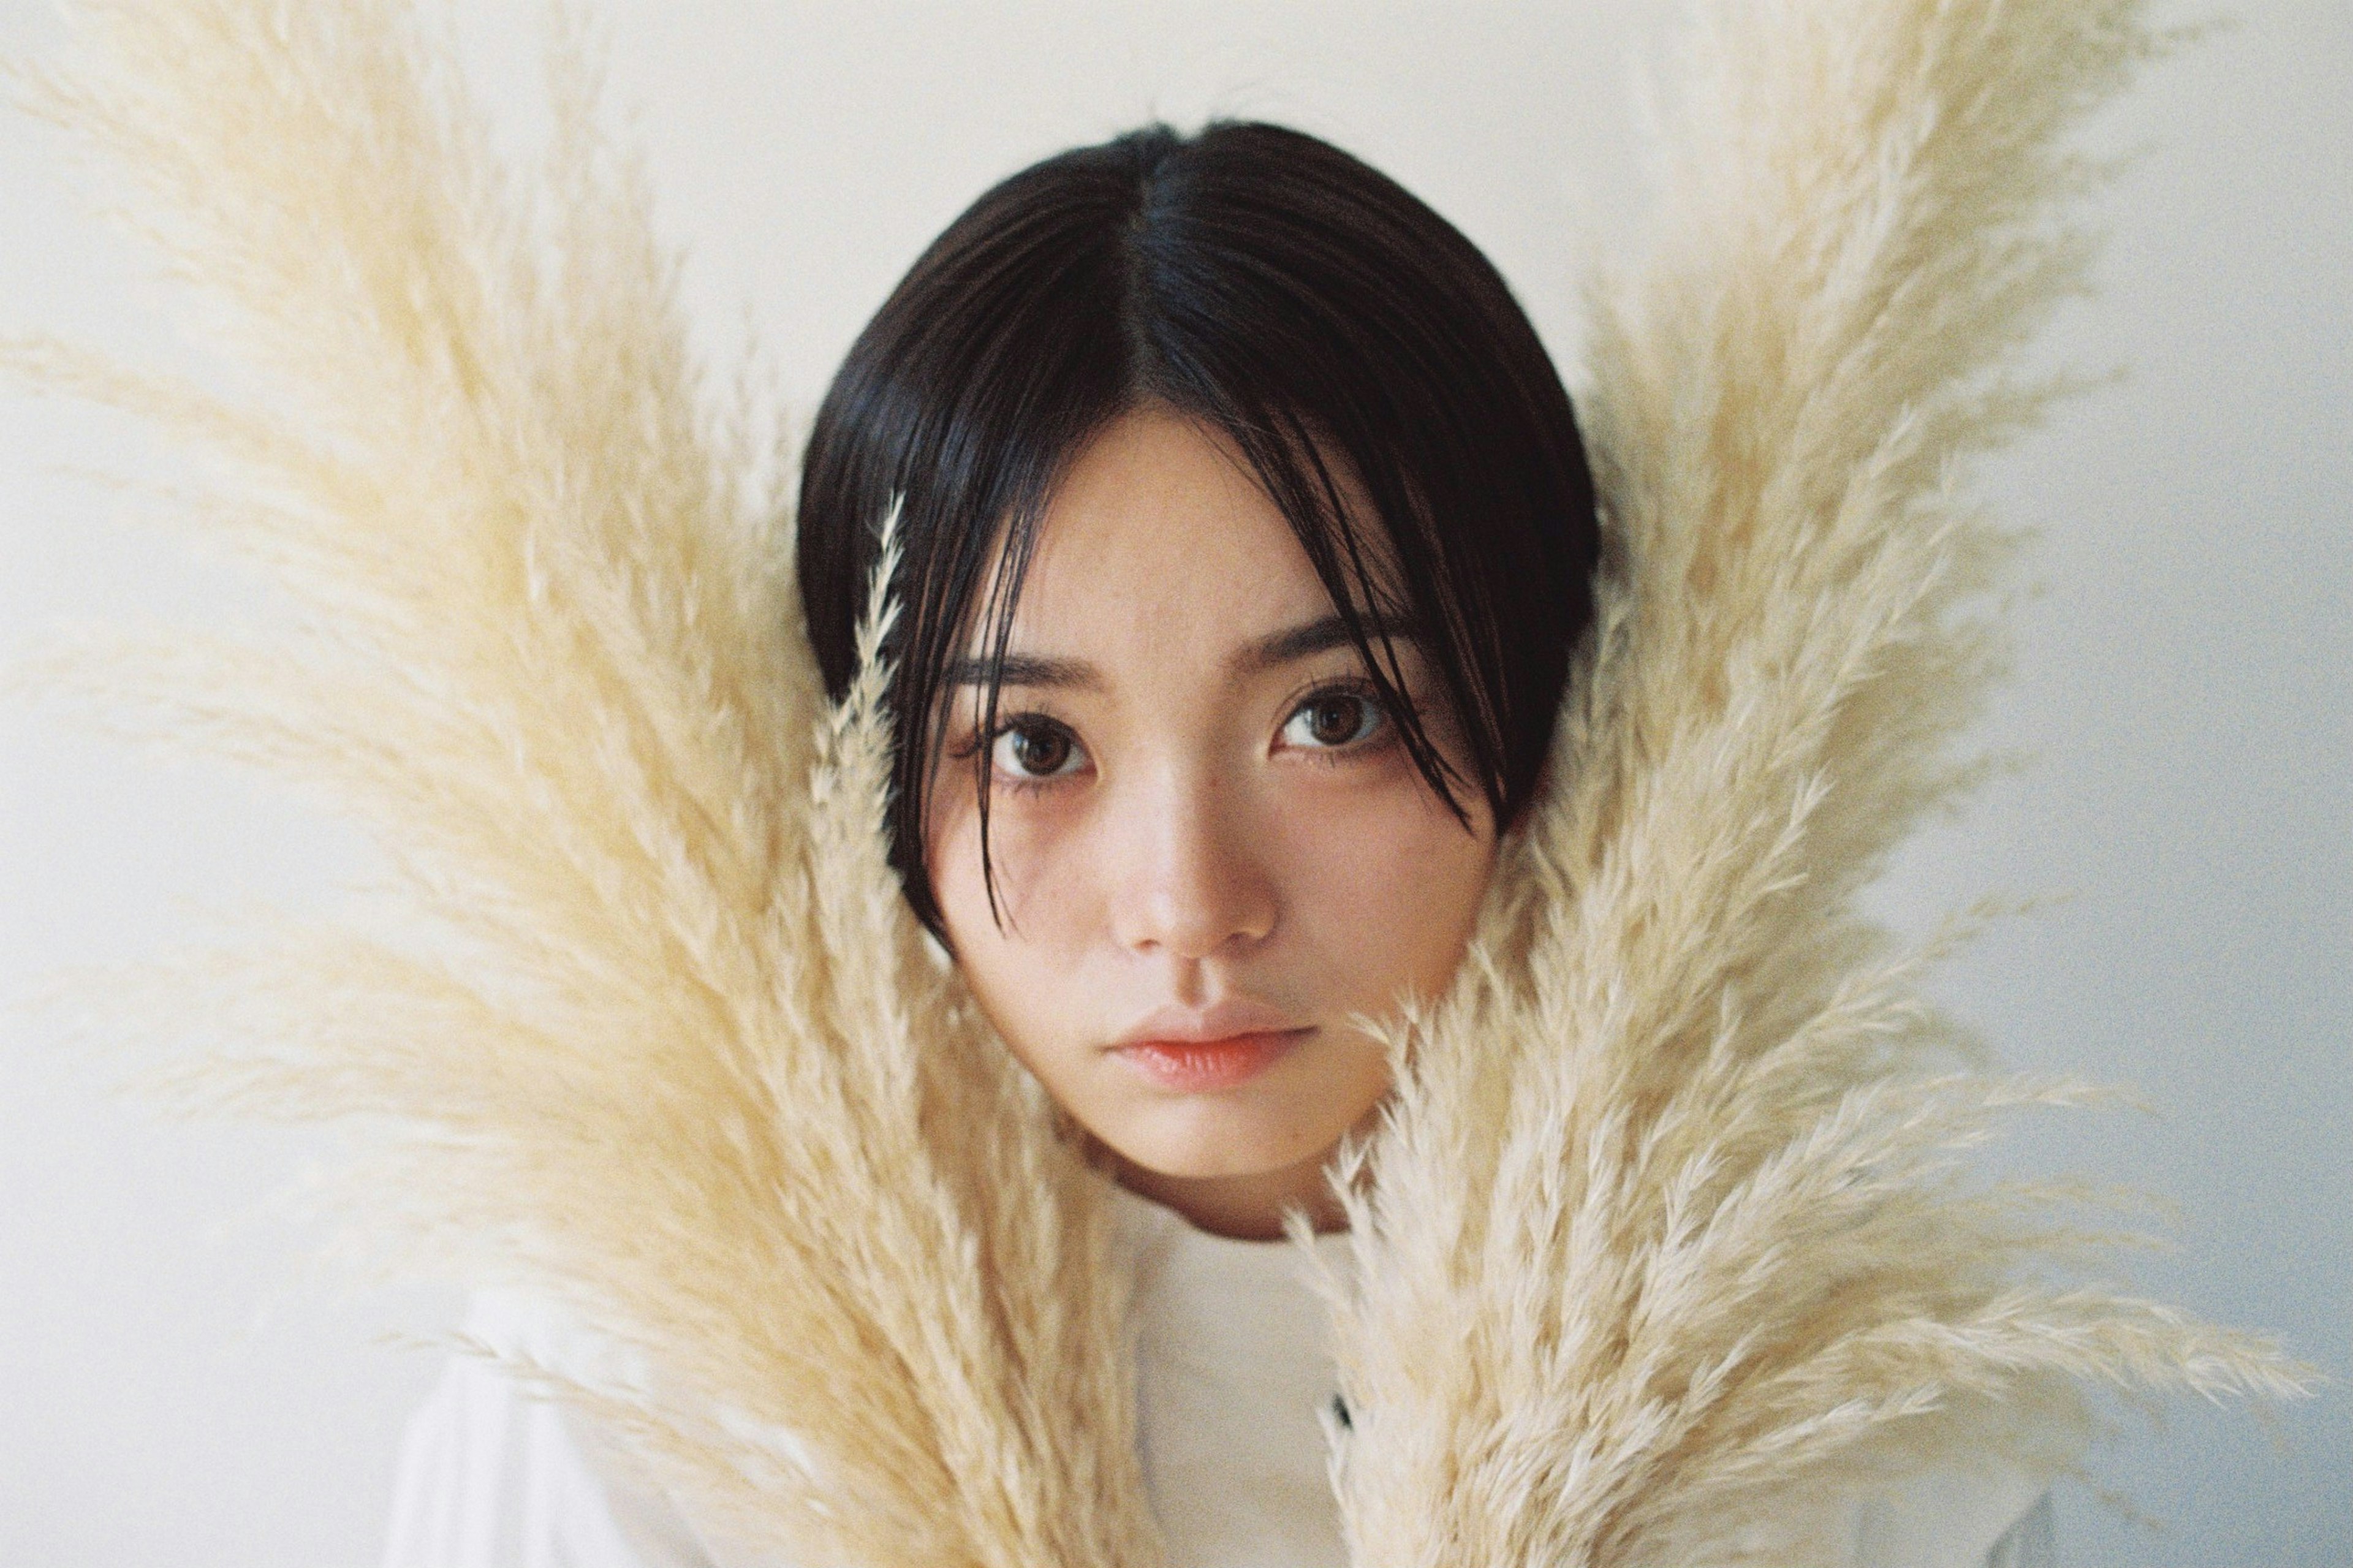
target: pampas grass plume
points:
(1670, 1228)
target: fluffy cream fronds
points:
(1669, 1227)
(1669, 1224)
(657, 1035)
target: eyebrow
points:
(1317, 636)
(1254, 657)
(1026, 669)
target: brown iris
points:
(1336, 719)
(1040, 750)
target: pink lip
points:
(1197, 1049)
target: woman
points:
(1243, 536)
(1229, 778)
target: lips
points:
(1196, 1051)
(1196, 1067)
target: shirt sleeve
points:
(1990, 1516)
(493, 1475)
(2031, 1543)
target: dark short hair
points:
(1280, 290)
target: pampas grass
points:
(657, 1038)
(1670, 1224)
(1668, 1236)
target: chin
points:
(1208, 1140)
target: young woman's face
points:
(1211, 849)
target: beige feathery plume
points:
(658, 1037)
(1667, 1234)
(1667, 1229)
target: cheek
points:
(1385, 884)
(1023, 969)
(1037, 856)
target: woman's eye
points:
(1034, 750)
(1333, 718)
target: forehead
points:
(1160, 539)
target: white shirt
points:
(1234, 1371)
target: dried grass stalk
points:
(1669, 1224)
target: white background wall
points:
(175, 1388)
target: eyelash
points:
(1015, 784)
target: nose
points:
(1193, 882)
